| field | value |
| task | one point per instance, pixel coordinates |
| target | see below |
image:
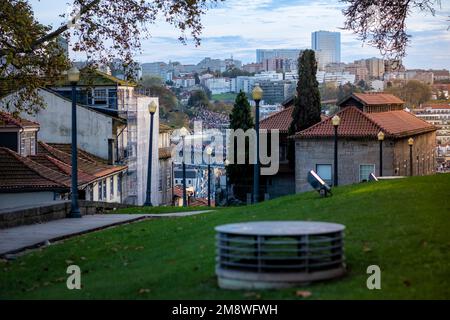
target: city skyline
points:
(277, 24)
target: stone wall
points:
(32, 214)
(424, 155)
(351, 154)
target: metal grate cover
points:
(278, 254)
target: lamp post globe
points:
(73, 75)
(257, 95)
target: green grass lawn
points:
(401, 225)
(224, 97)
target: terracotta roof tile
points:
(377, 98)
(92, 168)
(356, 124)
(280, 120)
(8, 120)
(22, 174)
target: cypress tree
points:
(307, 106)
(241, 175)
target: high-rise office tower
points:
(327, 46)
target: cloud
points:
(239, 27)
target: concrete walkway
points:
(17, 239)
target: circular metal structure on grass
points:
(278, 254)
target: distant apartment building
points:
(360, 71)
(376, 68)
(440, 75)
(327, 46)
(264, 54)
(208, 64)
(155, 69)
(218, 85)
(279, 65)
(253, 67)
(266, 110)
(275, 92)
(437, 114)
(336, 78)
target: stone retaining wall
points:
(30, 215)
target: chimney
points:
(111, 153)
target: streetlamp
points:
(336, 121)
(209, 152)
(183, 134)
(73, 75)
(152, 110)
(411, 143)
(257, 97)
(381, 139)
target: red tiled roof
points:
(55, 164)
(280, 120)
(377, 98)
(436, 106)
(67, 148)
(8, 120)
(357, 124)
(92, 168)
(22, 174)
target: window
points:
(365, 170)
(91, 193)
(111, 187)
(100, 96)
(104, 189)
(324, 171)
(119, 182)
(99, 190)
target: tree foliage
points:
(413, 92)
(382, 23)
(241, 174)
(30, 56)
(307, 103)
(198, 99)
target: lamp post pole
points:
(209, 180)
(336, 121)
(411, 143)
(74, 77)
(148, 201)
(227, 163)
(257, 96)
(381, 139)
(183, 137)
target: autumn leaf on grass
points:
(143, 291)
(366, 248)
(252, 295)
(303, 294)
(69, 262)
(407, 283)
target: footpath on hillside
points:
(17, 239)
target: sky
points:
(238, 27)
